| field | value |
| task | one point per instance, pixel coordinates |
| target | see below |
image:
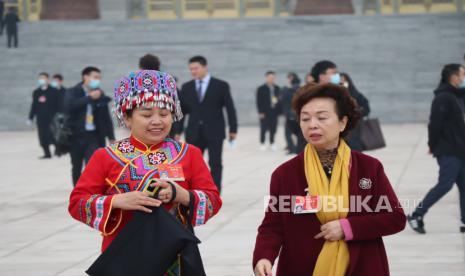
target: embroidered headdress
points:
(147, 88)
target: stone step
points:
(394, 60)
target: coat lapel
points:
(194, 91)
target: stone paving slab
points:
(38, 237)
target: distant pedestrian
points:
(204, 99)
(11, 21)
(90, 120)
(57, 83)
(268, 107)
(43, 108)
(446, 141)
(294, 137)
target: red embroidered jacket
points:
(128, 165)
(291, 236)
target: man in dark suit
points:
(204, 99)
(57, 83)
(89, 119)
(268, 107)
(43, 108)
(11, 23)
(2, 10)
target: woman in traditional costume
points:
(116, 181)
(348, 202)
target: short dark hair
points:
(58, 76)
(270, 72)
(149, 62)
(345, 104)
(45, 74)
(320, 68)
(448, 71)
(88, 70)
(200, 59)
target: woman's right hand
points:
(135, 201)
(263, 268)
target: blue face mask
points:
(94, 84)
(41, 82)
(54, 84)
(462, 85)
(335, 79)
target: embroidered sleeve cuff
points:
(113, 218)
(347, 229)
(203, 208)
(98, 213)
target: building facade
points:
(33, 10)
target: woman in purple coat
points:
(341, 202)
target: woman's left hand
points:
(331, 231)
(166, 193)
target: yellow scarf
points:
(334, 256)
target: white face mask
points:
(462, 84)
(335, 79)
(54, 84)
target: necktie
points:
(199, 91)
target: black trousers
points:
(45, 138)
(268, 124)
(82, 148)
(294, 137)
(215, 153)
(451, 171)
(12, 37)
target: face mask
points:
(41, 82)
(54, 84)
(94, 84)
(335, 79)
(462, 85)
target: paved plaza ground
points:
(38, 237)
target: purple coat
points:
(291, 236)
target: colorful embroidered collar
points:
(142, 146)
